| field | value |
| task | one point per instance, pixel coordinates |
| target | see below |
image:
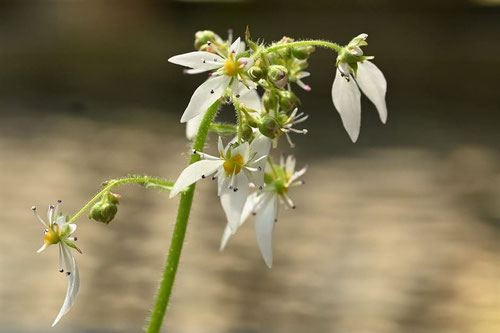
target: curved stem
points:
(312, 42)
(115, 182)
(179, 233)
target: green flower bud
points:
(269, 127)
(288, 100)
(106, 209)
(278, 75)
(202, 37)
(255, 73)
(302, 52)
(270, 100)
(247, 132)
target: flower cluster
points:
(257, 81)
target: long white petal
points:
(225, 237)
(205, 95)
(73, 283)
(264, 226)
(193, 125)
(233, 202)
(298, 174)
(193, 173)
(373, 84)
(199, 60)
(261, 145)
(347, 100)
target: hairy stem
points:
(312, 42)
(115, 182)
(179, 233)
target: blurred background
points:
(397, 233)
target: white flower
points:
(345, 92)
(235, 168)
(58, 231)
(229, 69)
(248, 97)
(264, 205)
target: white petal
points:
(44, 246)
(347, 100)
(264, 226)
(193, 125)
(250, 206)
(205, 95)
(198, 60)
(261, 145)
(344, 68)
(243, 150)
(233, 202)
(73, 283)
(222, 182)
(225, 237)
(235, 47)
(373, 84)
(193, 173)
(290, 164)
(250, 98)
(297, 175)
(356, 50)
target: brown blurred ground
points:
(398, 233)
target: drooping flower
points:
(58, 231)
(229, 70)
(235, 167)
(264, 204)
(355, 72)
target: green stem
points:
(115, 182)
(314, 42)
(179, 233)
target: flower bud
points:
(302, 52)
(277, 74)
(270, 100)
(106, 209)
(288, 100)
(247, 132)
(202, 37)
(255, 73)
(269, 127)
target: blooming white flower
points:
(235, 168)
(264, 204)
(229, 69)
(58, 231)
(345, 92)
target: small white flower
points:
(58, 231)
(345, 92)
(229, 70)
(264, 205)
(234, 168)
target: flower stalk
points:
(179, 233)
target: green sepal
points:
(72, 245)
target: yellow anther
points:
(233, 165)
(230, 68)
(52, 237)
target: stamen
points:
(61, 270)
(209, 43)
(68, 273)
(203, 176)
(33, 208)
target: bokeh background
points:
(397, 233)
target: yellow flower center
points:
(230, 68)
(52, 236)
(233, 165)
